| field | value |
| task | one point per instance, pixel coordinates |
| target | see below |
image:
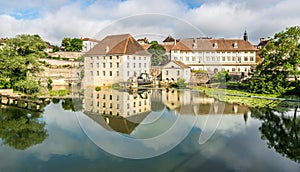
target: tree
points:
(221, 76)
(55, 49)
(74, 44)
(19, 59)
(158, 53)
(66, 42)
(281, 59)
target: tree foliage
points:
(221, 76)
(19, 59)
(73, 45)
(281, 59)
(158, 53)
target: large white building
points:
(88, 44)
(209, 54)
(115, 59)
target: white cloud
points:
(61, 18)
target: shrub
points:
(115, 86)
(98, 88)
(221, 76)
(28, 86)
(4, 83)
(53, 93)
(62, 92)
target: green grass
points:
(243, 97)
(62, 92)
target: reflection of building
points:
(115, 59)
(189, 103)
(117, 103)
(174, 70)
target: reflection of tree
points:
(281, 131)
(20, 130)
(72, 104)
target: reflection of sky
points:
(235, 146)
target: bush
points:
(98, 88)
(28, 86)
(53, 93)
(4, 83)
(179, 84)
(221, 76)
(62, 92)
(115, 86)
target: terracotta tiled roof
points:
(203, 44)
(179, 63)
(146, 46)
(118, 44)
(90, 39)
(168, 47)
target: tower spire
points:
(245, 35)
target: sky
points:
(156, 19)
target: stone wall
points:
(69, 55)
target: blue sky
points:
(55, 19)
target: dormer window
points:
(215, 45)
(107, 49)
(235, 45)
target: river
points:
(148, 130)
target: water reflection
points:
(282, 131)
(21, 129)
(123, 111)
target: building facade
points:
(88, 44)
(115, 59)
(174, 70)
(209, 54)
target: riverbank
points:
(271, 101)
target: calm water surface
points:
(71, 135)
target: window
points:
(178, 73)
(103, 96)
(97, 65)
(140, 58)
(228, 58)
(233, 69)
(118, 106)
(133, 57)
(128, 73)
(239, 69)
(110, 97)
(145, 65)
(187, 58)
(167, 72)
(193, 59)
(110, 73)
(245, 59)
(128, 105)
(117, 73)
(140, 65)
(218, 58)
(212, 58)
(91, 73)
(103, 65)
(207, 59)
(133, 104)
(91, 65)
(97, 73)
(110, 57)
(251, 59)
(223, 59)
(104, 104)
(117, 97)
(103, 73)
(117, 65)
(118, 57)
(144, 58)
(110, 64)
(133, 65)
(110, 105)
(127, 64)
(140, 103)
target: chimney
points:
(175, 41)
(261, 39)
